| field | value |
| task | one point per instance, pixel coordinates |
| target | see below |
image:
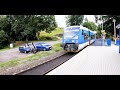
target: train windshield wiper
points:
(74, 35)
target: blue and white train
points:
(76, 38)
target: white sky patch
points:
(61, 20)
(90, 18)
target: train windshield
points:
(71, 33)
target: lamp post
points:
(114, 30)
(118, 27)
(103, 36)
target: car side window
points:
(38, 44)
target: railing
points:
(102, 42)
(117, 42)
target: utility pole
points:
(118, 27)
(102, 22)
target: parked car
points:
(43, 46)
(28, 48)
(24, 49)
(33, 48)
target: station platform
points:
(93, 60)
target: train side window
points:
(86, 36)
(93, 36)
(82, 32)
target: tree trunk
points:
(38, 35)
(26, 39)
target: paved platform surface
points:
(93, 60)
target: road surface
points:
(14, 53)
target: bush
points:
(42, 38)
(54, 38)
(57, 47)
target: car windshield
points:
(39, 43)
(69, 34)
(45, 44)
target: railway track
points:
(48, 66)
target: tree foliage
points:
(72, 20)
(3, 39)
(97, 18)
(108, 24)
(90, 25)
(25, 27)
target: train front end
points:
(70, 41)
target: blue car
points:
(43, 46)
(38, 46)
(24, 49)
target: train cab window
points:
(89, 33)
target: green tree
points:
(25, 27)
(45, 23)
(108, 24)
(90, 25)
(72, 20)
(3, 39)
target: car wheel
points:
(44, 49)
(25, 52)
(50, 48)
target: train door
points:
(89, 36)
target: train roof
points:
(81, 27)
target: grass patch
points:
(53, 33)
(48, 38)
(57, 47)
(51, 36)
(4, 49)
(9, 64)
(40, 55)
(7, 48)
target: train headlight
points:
(76, 41)
(73, 41)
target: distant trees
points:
(25, 27)
(72, 20)
(90, 25)
(108, 24)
